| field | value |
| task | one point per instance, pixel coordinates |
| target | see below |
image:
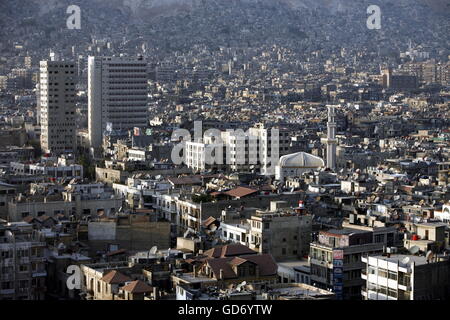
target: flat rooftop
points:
(299, 290)
(402, 258)
(294, 263)
(346, 231)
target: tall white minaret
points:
(331, 138)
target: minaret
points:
(331, 138)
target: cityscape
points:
(225, 150)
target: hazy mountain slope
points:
(179, 24)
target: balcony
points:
(24, 260)
(22, 290)
(39, 274)
(7, 291)
(7, 262)
(37, 259)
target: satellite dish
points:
(240, 286)
(406, 260)
(429, 255)
(414, 249)
(153, 250)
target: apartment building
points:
(335, 260)
(285, 234)
(52, 167)
(117, 92)
(57, 106)
(7, 192)
(69, 202)
(406, 277)
(22, 263)
(239, 151)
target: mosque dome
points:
(301, 160)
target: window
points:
(392, 275)
(382, 273)
(379, 238)
(23, 268)
(392, 293)
(283, 251)
(404, 295)
(382, 290)
(372, 270)
(404, 279)
(372, 287)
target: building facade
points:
(117, 92)
(57, 106)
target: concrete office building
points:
(57, 106)
(117, 93)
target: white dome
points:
(301, 160)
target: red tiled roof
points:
(113, 253)
(44, 218)
(209, 221)
(265, 262)
(240, 192)
(115, 277)
(229, 250)
(28, 219)
(237, 261)
(137, 286)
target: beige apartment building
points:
(57, 106)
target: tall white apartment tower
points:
(331, 138)
(117, 89)
(57, 81)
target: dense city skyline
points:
(225, 150)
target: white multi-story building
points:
(57, 106)
(406, 277)
(117, 89)
(255, 149)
